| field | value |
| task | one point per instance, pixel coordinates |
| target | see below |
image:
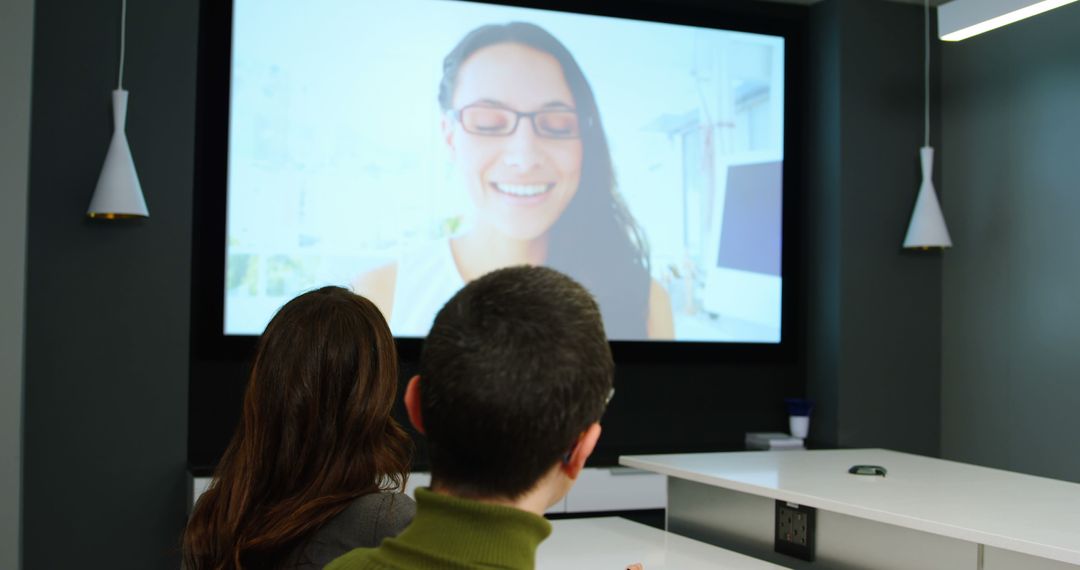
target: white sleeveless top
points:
(426, 279)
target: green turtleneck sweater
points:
(450, 533)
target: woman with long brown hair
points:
(523, 128)
(317, 465)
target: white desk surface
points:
(613, 543)
(1023, 513)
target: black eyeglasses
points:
(502, 122)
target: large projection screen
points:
(649, 166)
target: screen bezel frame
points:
(212, 133)
(721, 390)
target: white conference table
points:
(613, 543)
(927, 511)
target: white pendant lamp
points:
(961, 19)
(118, 193)
(927, 227)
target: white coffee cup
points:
(799, 426)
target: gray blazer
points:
(364, 523)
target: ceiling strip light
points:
(961, 19)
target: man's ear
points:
(412, 403)
(582, 450)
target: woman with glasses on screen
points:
(317, 464)
(521, 123)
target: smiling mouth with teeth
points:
(522, 190)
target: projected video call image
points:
(403, 149)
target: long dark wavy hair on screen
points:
(613, 240)
(315, 433)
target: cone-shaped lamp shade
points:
(118, 193)
(927, 227)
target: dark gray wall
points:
(874, 337)
(16, 43)
(108, 303)
(1011, 196)
(822, 221)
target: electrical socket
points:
(795, 530)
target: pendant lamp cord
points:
(123, 30)
(926, 78)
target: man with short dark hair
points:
(514, 377)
